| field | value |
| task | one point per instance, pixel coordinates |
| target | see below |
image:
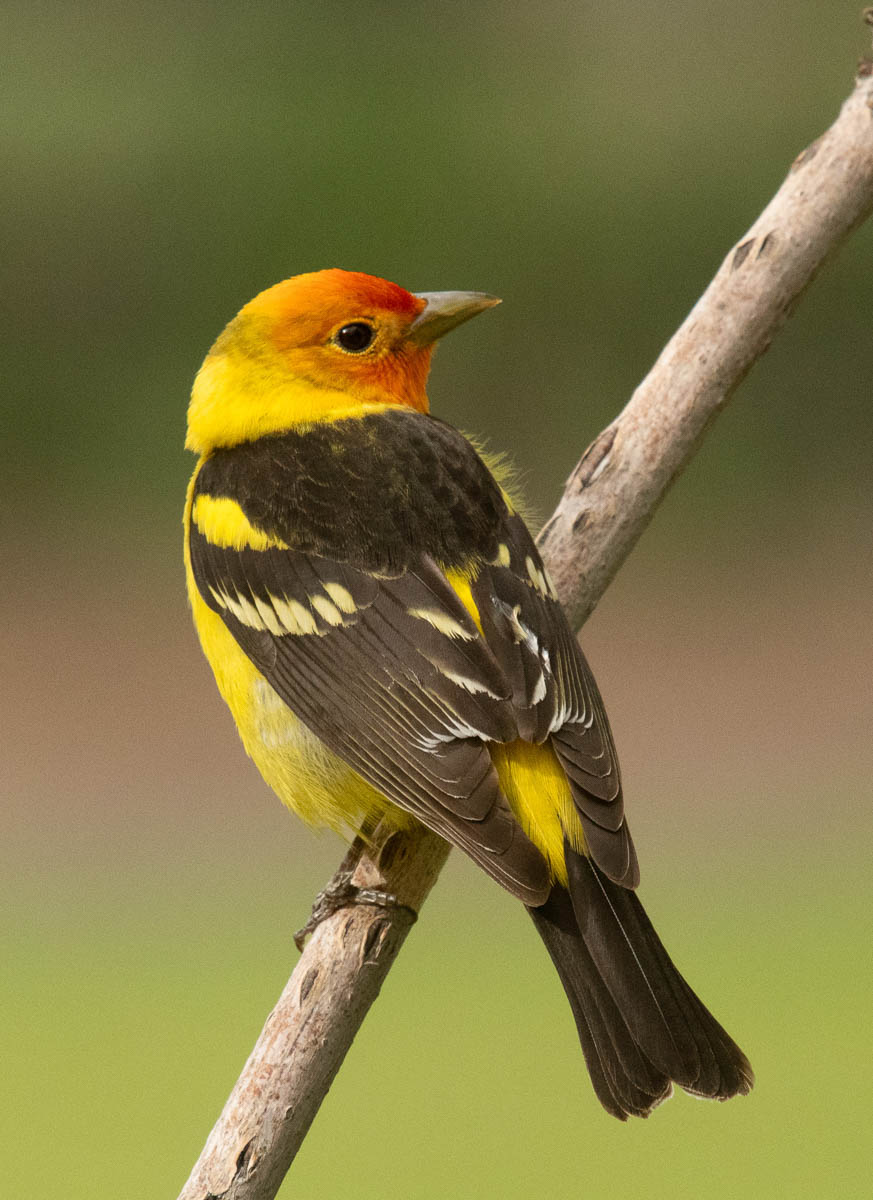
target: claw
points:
(342, 893)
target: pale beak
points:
(444, 311)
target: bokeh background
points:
(590, 163)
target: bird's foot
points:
(342, 893)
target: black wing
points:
(554, 692)
(358, 629)
(392, 675)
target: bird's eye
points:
(355, 338)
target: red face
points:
(343, 330)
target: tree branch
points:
(609, 499)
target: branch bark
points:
(608, 501)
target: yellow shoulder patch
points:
(223, 522)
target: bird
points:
(390, 644)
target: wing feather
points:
(379, 686)
(357, 628)
(554, 692)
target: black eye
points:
(355, 337)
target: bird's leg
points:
(342, 893)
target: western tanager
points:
(389, 642)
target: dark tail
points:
(641, 1027)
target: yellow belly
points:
(319, 787)
(300, 769)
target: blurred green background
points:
(590, 163)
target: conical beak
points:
(444, 311)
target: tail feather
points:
(641, 1026)
(625, 1081)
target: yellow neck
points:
(237, 400)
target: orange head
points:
(317, 347)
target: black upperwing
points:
(358, 630)
(356, 627)
(407, 706)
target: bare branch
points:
(608, 500)
(616, 487)
(309, 1032)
